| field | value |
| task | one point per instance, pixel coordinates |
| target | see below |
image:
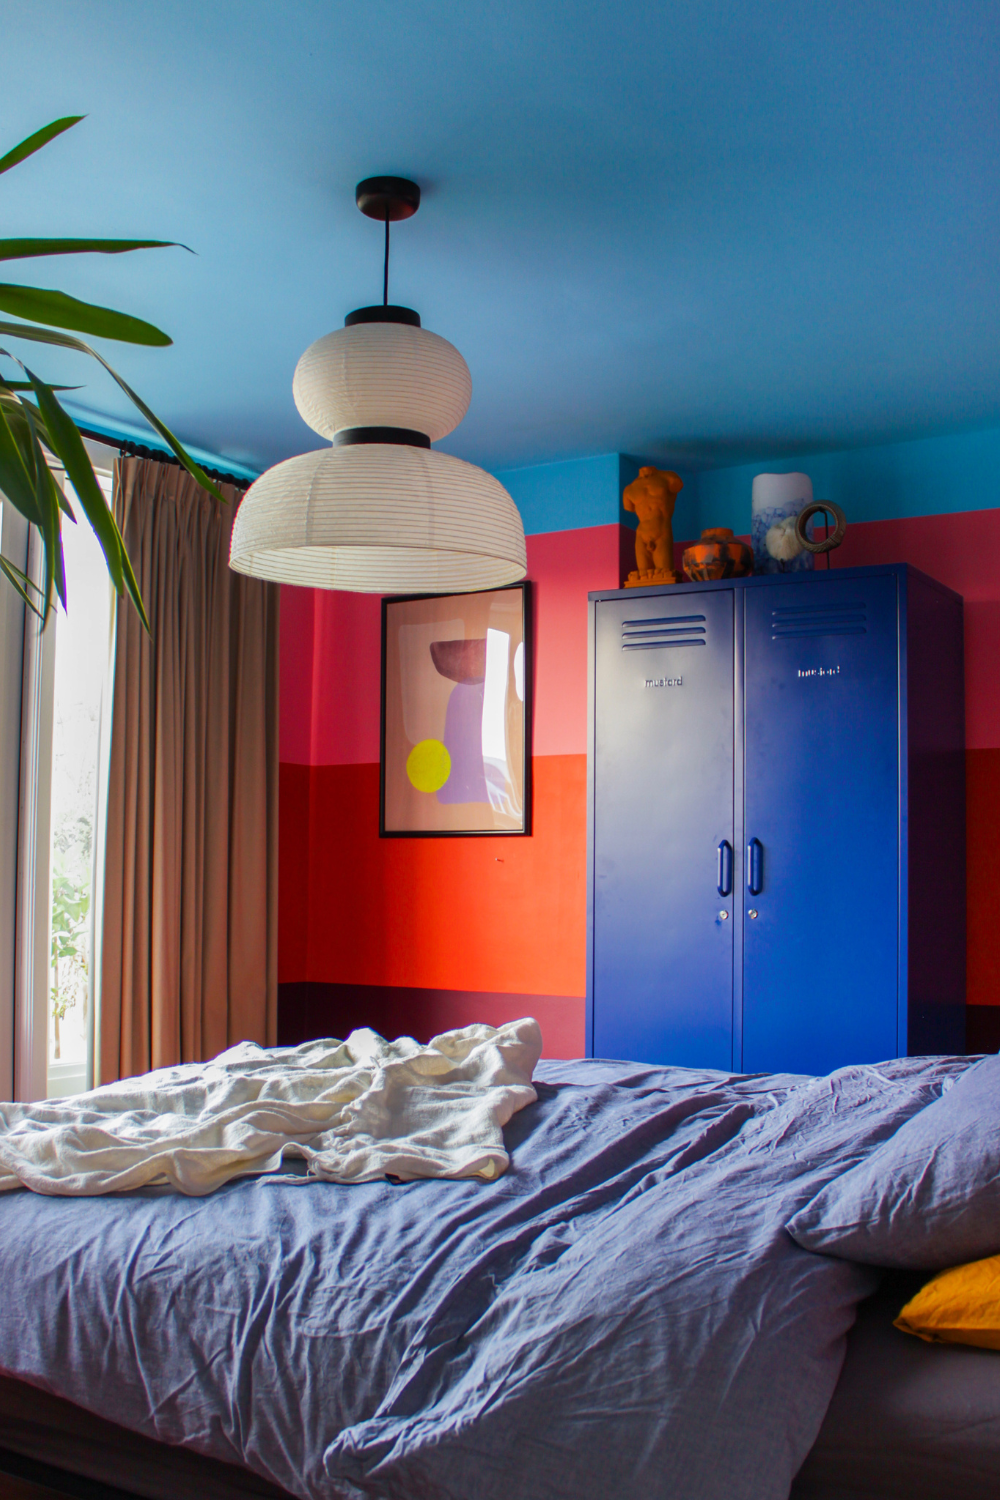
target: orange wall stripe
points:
(498, 914)
(293, 872)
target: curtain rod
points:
(129, 449)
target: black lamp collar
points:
(404, 436)
(383, 314)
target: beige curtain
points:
(189, 923)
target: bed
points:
(623, 1313)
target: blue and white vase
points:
(775, 504)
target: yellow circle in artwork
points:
(428, 765)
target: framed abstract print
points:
(455, 714)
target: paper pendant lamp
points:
(380, 511)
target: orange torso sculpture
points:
(652, 497)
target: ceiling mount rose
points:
(387, 199)
(381, 511)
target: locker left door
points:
(662, 934)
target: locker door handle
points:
(755, 867)
(725, 886)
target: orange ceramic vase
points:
(717, 555)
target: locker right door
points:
(662, 936)
(820, 904)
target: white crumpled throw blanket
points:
(356, 1110)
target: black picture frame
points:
(388, 601)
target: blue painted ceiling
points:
(702, 231)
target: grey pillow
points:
(929, 1197)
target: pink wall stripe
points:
(331, 655)
(963, 551)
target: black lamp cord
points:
(385, 274)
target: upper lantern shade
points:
(382, 375)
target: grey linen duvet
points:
(621, 1315)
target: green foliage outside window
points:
(70, 946)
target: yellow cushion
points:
(960, 1306)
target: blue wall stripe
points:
(587, 492)
(563, 496)
(924, 477)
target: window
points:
(54, 735)
(13, 541)
(80, 691)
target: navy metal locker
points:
(663, 756)
(776, 867)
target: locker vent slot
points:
(819, 619)
(659, 635)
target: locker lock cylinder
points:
(723, 916)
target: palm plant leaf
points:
(21, 582)
(17, 480)
(19, 414)
(67, 444)
(67, 341)
(32, 249)
(56, 310)
(27, 430)
(33, 143)
(25, 385)
(47, 494)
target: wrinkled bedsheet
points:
(356, 1111)
(622, 1314)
